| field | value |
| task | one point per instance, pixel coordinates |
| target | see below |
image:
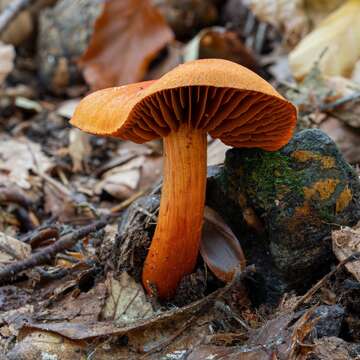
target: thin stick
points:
(321, 282)
(341, 101)
(46, 254)
(128, 201)
(10, 11)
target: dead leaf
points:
(124, 180)
(45, 345)
(74, 307)
(127, 36)
(217, 42)
(67, 108)
(355, 76)
(216, 152)
(27, 104)
(337, 37)
(331, 348)
(293, 19)
(59, 204)
(126, 300)
(346, 242)
(20, 27)
(220, 248)
(79, 148)
(288, 17)
(347, 139)
(17, 158)
(7, 57)
(12, 249)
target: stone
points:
(64, 34)
(329, 320)
(301, 193)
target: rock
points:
(330, 320)
(64, 33)
(300, 192)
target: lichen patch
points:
(327, 162)
(344, 199)
(322, 189)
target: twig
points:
(341, 101)
(128, 201)
(11, 11)
(46, 254)
(14, 196)
(320, 283)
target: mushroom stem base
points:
(175, 245)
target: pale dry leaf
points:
(220, 248)
(79, 148)
(293, 19)
(332, 348)
(289, 17)
(317, 10)
(17, 158)
(124, 180)
(127, 37)
(19, 29)
(12, 249)
(67, 108)
(346, 138)
(346, 242)
(126, 300)
(355, 76)
(336, 42)
(216, 152)
(45, 345)
(28, 104)
(7, 57)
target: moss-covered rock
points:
(300, 192)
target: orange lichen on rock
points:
(344, 199)
(322, 189)
(327, 162)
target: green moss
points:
(268, 176)
(326, 213)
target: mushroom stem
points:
(175, 245)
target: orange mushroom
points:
(211, 96)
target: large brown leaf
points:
(127, 36)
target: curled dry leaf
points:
(39, 344)
(346, 242)
(216, 152)
(19, 29)
(217, 42)
(124, 180)
(17, 158)
(337, 39)
(12, 249)
(294, 19)
(7, 56)
(288, 17)
(79, 148)
(127, 37)
(67, 108)
(355, 76)
(126, 301)
(220, 248)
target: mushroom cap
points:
(223, 98)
